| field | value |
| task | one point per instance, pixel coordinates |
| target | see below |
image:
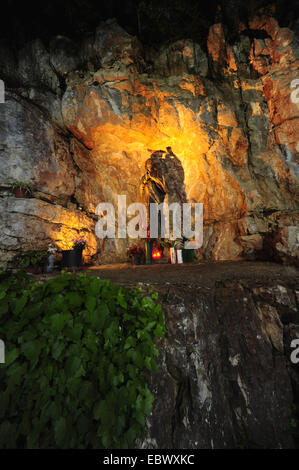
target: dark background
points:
(153, 21)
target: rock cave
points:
(86, 100)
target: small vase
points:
(172, 255)
(188, 255)
(21, 193)
(50, 265)
(72, 258)
(179, 256)
(135, 259)
(148, 251)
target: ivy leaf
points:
(57, 285)
(159, 331)
(58, 321)
(2, 294)
(106, 440)
(74, 299)
(148, 404)
(92, 317)
(148, 362)
(60, 430)
(103, 311)
(91, 341)
(57, 349)
(72, 366)
(99, 409)
(31, 350)
(140, 418)
(4, 307)
(121, 299)
(90, 303)
(94, 287)
(103, 337)
(150, 325)
(86, 391)
(11, 355)
(130, 342)
(19, 304)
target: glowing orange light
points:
(156, 254)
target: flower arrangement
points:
(51, 258)
(79, 243)
(52, 249)
(135, 250)
(136, 254)
(21, 189)
(175, 249)
(177, 243)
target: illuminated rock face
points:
(228, 115)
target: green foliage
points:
(30, 258)
(77, 352)
(177, 243)
(22, 185)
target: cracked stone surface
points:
(225, 378)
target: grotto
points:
(191, 103)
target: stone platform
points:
(201, 274)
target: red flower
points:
(135, 250)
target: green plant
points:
(22, 185)
(177, 243)
(77, 351)
(30, 258)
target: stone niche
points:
(81, 117)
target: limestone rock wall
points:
(79, 118)
(225, 379)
